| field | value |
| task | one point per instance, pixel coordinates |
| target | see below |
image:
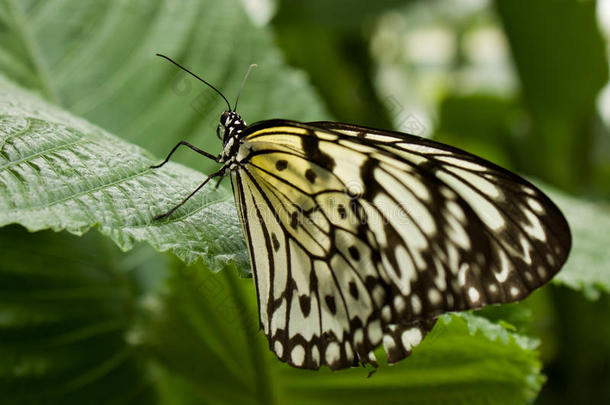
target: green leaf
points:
(82, 327)
(123, 87)
(220, 356)
(588, 266)
(99, 59)
(66, 309)
(560, 55)
(335, 54)
(60, 172)
(465, 360)
(20, 56)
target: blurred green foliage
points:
(561, 59)
(65, 317)
(81, 322)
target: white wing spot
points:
(535, 205)
(479, 182)
(455, 210)
(453, 258)
(534, 227)
(298, 355)
(315, 355)
(403, 225)
(422, 148)
(386, 313)
(447, 193)
(541, 272)
(514, 291)
(382, 138)
(374, 331)
(399, 303)
(462, 163)
(434, 296)
(278, 348)
(332, 352)
(378, 295)
(457, 234)
(528, 190)
(415, 184)
(503, 274)
(347, 132)
(411, 337)
(326, 136)
(487, 211)
(473, 294)
(525, 245)
(462, 274)
(415, 304)
(358, 337)
(388, 343)
(408, 272)
(349, 353)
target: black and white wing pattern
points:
(360, 237)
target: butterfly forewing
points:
(359, 236)
(531, 233)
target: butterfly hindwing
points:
(301, 303)
(359, 236)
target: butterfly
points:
(361, 237)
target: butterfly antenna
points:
(199, 78)
(243, 82)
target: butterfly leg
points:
(218, 183)
(196, 149)
(221, 172)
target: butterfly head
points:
(229, 131)
(231, 125)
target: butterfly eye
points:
(220, 131)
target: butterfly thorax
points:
(230, 130)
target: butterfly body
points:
(360, 237)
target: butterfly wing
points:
(520, 218)
(359, 237)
